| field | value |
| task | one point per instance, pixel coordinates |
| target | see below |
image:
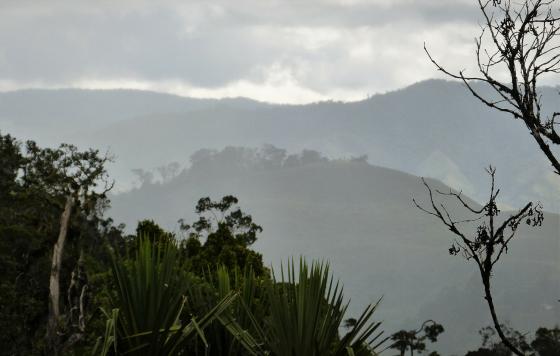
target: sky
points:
(270, 50)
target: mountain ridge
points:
(403, 129)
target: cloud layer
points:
(280, 51)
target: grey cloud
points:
(146, 45)
(320, 13)
(203, 44)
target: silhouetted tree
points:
(491, 239)
(221, 236)
(415, 340)
(148, 229)
(547, 341)
(495, 346)
(519, 39)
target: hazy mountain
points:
(361, 218)
(433, 128)
(68, 114)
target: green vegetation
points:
(151, 292)
(222, 234)
(146, 316)
(306, 312)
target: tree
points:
(69, 178)
(518, 39)
(492, 346)
(415, 340)
(30, 211)
(547, 341)
(491, 240)
(153, 232)
(222, 236)
(11, 161)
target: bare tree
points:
(521, 41)
(491, 240)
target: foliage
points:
(545, 343)
(66, 170)
(31, 188)
(306, 313)
(221, 236)
(233, 333)
(413, 340)
(153, 232)
(150, 297)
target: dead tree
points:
(519, 39)
(491, 238)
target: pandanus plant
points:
(232, 334)
(306, 310)
(150, 296)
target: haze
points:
(321, 116)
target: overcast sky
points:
(278, 51)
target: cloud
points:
(282, 51)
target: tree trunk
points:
(75, 320)
(497, 326)
(54, 282)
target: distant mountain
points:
(361, 218)
(62, 114)
(433, 128)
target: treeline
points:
(205, 161)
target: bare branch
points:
(523, 40)
(491, 239)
